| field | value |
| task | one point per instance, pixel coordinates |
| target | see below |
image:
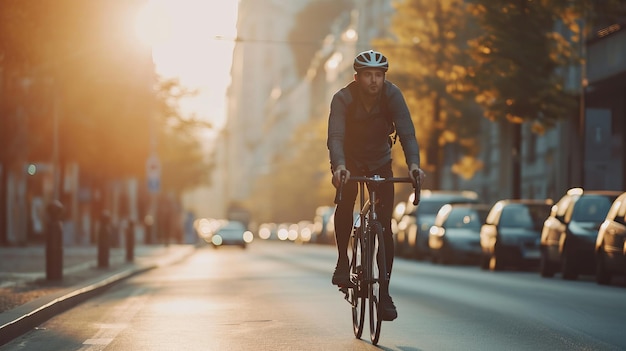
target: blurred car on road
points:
(323, 229)
(455, 235)
(611, 243)
(232, 233)
(568, 236)
(411, 240)
(511, 234)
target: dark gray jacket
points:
(362, 141)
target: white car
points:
(232, 233)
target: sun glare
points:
(152, 25)
(184, 36)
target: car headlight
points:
(216, 240)
(248, 236)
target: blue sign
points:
(154, 184)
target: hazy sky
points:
(183, 34)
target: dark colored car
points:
(511, 234)
(455, 235)
(568, 237)
(412, 236)
(610, 244)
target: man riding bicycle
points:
(362, 115)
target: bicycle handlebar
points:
(377, 179)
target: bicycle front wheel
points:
(357, 291)
(378, 274)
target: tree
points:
(520, 58)
(75, 62)
(186, 163)
(428, 62)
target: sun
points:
(185, 37)
(152, 25)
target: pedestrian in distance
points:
(366, 117)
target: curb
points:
(20, 320)
(29, 320)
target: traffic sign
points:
(153, 173)
(154, 185)
(153, 166)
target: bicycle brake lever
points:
(342, 180)
(417, 186)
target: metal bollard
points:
(149, 232)
(54, 242)
(104, 244)
(130, 241)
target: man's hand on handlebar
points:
(341, 169)
(416, 180)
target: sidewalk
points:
(27, 299)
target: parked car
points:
(398, 211)
(511, 234)
(455, 235)
(569, 234)
(321, 225)
(412, 237)
(232, 233)
(610, 244)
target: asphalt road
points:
(277, 296)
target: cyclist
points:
(359, 144)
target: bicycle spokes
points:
(355, 291)
(378, 279)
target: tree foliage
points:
(186, 164)
(428, 61)
(518, 57)
(77, 62)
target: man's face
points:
(370, 81)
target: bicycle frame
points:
(368, 244)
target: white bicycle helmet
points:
(370, 59)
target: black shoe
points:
(387, 308)
(341, 276)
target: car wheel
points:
(446, 256)
(434, 258)
(484, 262)
(545, 267)
(495, 259)
(603, 275)
(568, 268)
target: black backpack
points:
(351, 109)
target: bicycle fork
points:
(383, 277)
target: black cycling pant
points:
(344, 213)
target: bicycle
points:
(366, 252)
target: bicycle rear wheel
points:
(356, 292)
(378, 273)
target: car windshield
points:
(591, 208)
(430, 207)
(524, 216)
(466, 218)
